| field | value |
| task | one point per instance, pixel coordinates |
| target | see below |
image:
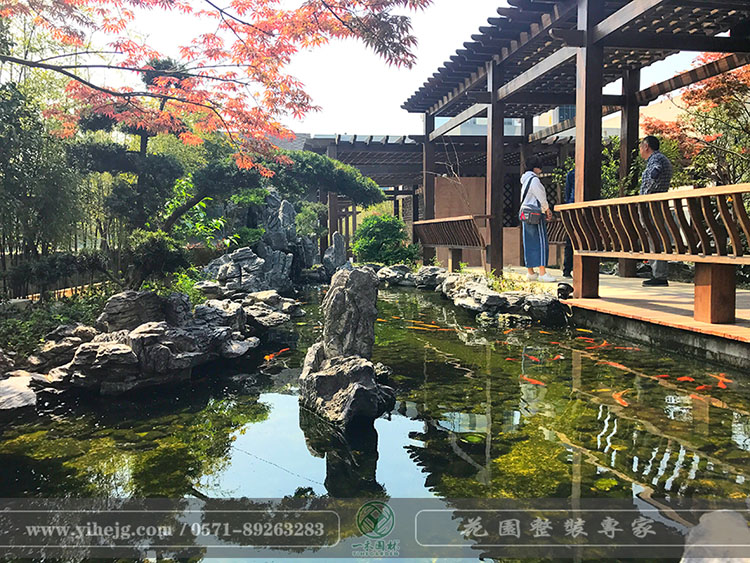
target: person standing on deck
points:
(535, 245)
(569, 197)
(656, 179)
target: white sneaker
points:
(532, 277)
(547, 278)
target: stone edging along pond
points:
(473, 292)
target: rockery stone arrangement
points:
(142, 339)
(338, 380)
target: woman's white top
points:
(536, 192)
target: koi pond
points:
(516, 413)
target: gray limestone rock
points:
(393, 275)
(263, 317)
(335, 255)
(16, 393)
(129, 309)
(221, 313)
(429, 277)
(345, 388)
(6, 363)
(349, 313)
(208, 288)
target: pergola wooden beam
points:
(693, 76)
(622, 17)
(679, 42)
(524, 79)
(474, 111)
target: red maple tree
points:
(231, 77)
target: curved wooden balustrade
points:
(705, 225)
(451, 232)
(556, 232)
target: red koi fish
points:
(558, 357)
(662, 376)
(586, 338)
(703, 387)
(554, 343)
(685, 378)
(602, 345)
(722, 377)
(511, 359)
(509, 330)
(533, 358)
(270, 357)
(693, 396)
(614, 365)
(618, 397)
(544, 332)
(532, 381)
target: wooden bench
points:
(708, 226)
(453, 233)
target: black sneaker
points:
(654, 282)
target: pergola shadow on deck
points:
(540, 54)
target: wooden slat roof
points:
(520, 38)
(395, 161)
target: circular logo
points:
(375, 519)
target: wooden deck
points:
(666, 306)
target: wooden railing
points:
(454, 233)
(708, 226)
(703, 225)
(556, 232)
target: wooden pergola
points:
(540, 54)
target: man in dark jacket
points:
(656, 179)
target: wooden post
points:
(345, 217)
(629, 134)
(415, 204)
(715, 293)
(455, 256)
(589, 70)
(331, 152)
(396, 207)
(428, 178)
(495, 183)
(323, 242)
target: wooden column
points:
(345, 217)
(629, 135)
(323, 242)
(415, 204)
(715, 293)
(589, 70)
(332, 152)
(455, 256)
(495, 184)
(428, 178)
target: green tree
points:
(383, 238)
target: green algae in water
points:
(466, 424)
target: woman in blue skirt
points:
(535, 245)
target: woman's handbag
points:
(529, 215)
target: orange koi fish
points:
(544, 332)
(532, 381)
(511, 359)
(602, 345)
(469, 328)
(601, 390)
(419, 328)
(533, 358)
(614, 365)
(627, 348)
(509, 330)
(692, 396)
(685, 378)
(722, 377)
(395, 317)
(269, 357)
(558, 357)
(446, 330)
(703, 387)
(586, 338)
(554, 343)
(662, 376)
(381, 320)
(618, 397)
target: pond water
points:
(508, 413)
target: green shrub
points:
(181, 282)
(22, 331)
(383, 238)
(245, 236)
(308, 220)
(154, 255)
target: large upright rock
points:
(129, 309)
(243, 271)
(349, 313)
(338, 380)
(335, 255)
